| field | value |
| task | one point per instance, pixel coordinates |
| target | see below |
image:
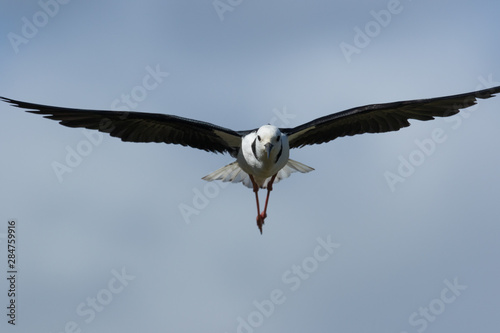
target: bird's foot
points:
(260, 220)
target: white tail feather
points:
(234, 174)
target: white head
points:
(269, 140)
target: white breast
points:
(256, 163)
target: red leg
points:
(269, 189)
(260, 219)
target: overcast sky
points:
(394, 232)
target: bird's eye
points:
(278, 139)
(258, 137)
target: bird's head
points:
(268, 139)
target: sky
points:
(394, 232)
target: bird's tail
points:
(234, 174)
(229, 173)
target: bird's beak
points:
(268, 146)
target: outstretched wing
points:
(378, 118)
(143, 127)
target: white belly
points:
(263, 167)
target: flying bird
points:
(262, 154)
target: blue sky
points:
(104, 245)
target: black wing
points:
(378, 118)
(143, 127)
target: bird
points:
(262, 154)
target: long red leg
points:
(269, 189)
(260, 219)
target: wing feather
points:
(379, 118)
(143, 127)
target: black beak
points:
(268, 146)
